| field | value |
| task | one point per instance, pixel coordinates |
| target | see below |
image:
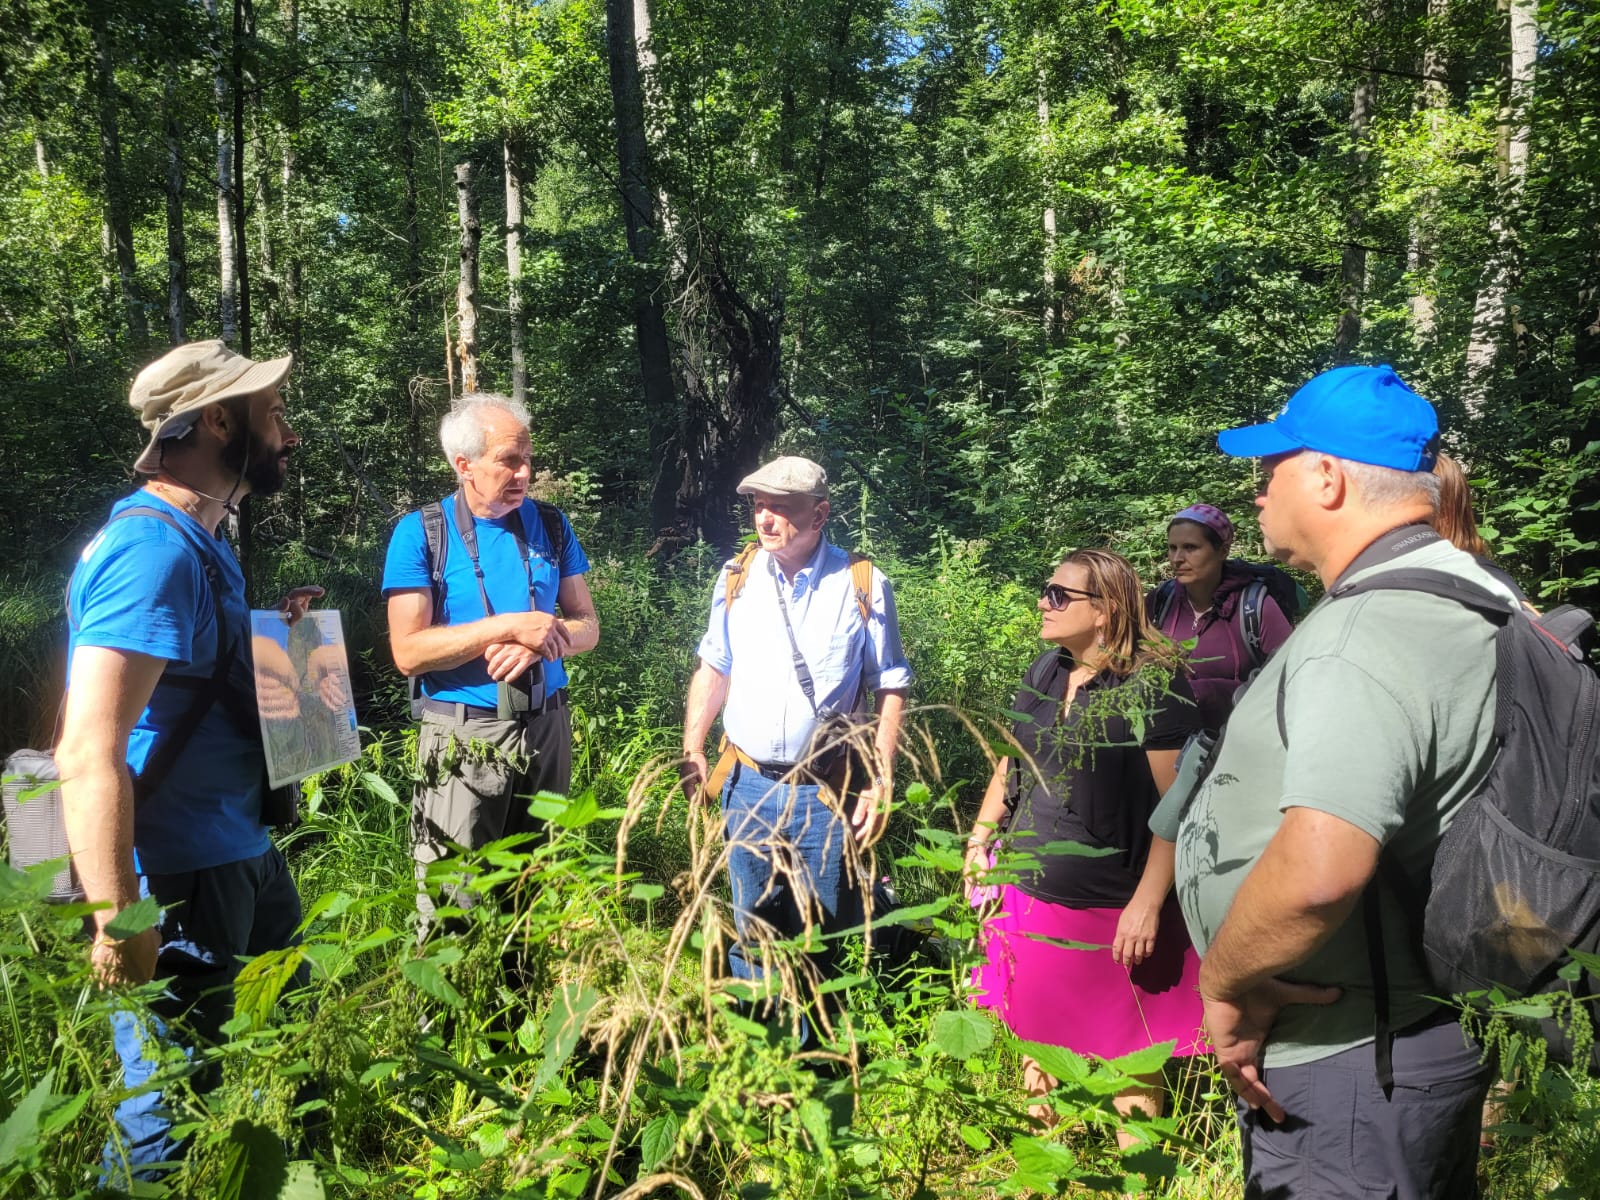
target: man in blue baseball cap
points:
(1364, 733)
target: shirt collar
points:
(813, 564)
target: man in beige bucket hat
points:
(162, 771)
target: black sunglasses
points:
(1058, 597)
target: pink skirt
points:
(1082, 999)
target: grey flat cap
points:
(787, 476)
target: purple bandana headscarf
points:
(1211, 517)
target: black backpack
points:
(1265, 580)
(437, 546)
(1515, 880)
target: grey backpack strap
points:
(1251, 603)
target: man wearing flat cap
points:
(162, 771)
(1354, 748)
(800, 633)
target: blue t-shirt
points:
(406, 567)
(141, 586)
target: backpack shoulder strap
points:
(1165, 598)
(556, 531)
(165, 755)
(861, 581)
(1251, 603)
(1434, 583)
(738, 572)
(435, 546)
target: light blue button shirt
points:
(767, 715)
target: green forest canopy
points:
(1004, 266)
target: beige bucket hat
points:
(170, 394)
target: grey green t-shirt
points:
(1389, 707)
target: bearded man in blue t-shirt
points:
(483, 611)
(162, 769)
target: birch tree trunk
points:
(519, 324)
(243, 27)
(1433, 98)
(1353, 259)
(639, 217)
(117, 219)
(291, 281)
(467, 287)
(1052, 291)
(177, 253)
(1491, 310)
(227, 279)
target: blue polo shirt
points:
(141, 586)
(406, 568)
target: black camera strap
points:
(801, 671)
(468, 530)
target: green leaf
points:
(376, 785)
(262, 980)
(301, 1183)
(962, 1033)
(1057, 1061)
(20, 1130)
(427, 976)
(1143, 1062)
(135, 919)
(646, 891)
(975, 1138)
(562, 1028)
(657, 1142)
(1041, 1164)
(381, 1069)
(818, 1122)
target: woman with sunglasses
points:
(1210, 601)
(1101, 717)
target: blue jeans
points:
(788, 868)
(212, 917)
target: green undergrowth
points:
(574, 1035)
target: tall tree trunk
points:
(638, 214)
(1052, 292)
(1353, 259)
(1490, 312)
(467, 287)
(292, 277)
(177, 254)
(243, 28)
(40, 160)
(519, 319)
(412, 303)
(1433, 98)
(227, 263)
(117, 218)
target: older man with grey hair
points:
(812, 636)
(486, 598)
(1356, 745)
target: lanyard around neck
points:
(466, 526)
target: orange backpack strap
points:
(737, 573)
(861, 580)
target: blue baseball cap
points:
(1366, 414)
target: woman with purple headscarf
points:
(1206, 603)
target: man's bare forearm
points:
(443, 647)
(583, 634)
(708, 689)
(891, 704)
(97, 810)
